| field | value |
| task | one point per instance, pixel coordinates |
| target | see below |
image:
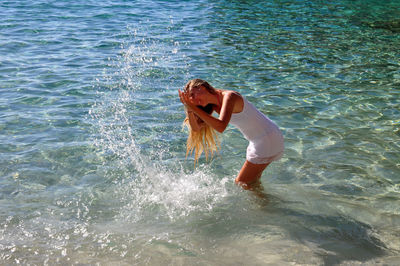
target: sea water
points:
(92, 150)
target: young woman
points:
(265, 138)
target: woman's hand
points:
(185, 100)
(181, 96)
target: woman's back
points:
(252, 123)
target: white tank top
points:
(252, 123)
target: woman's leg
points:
(250, 173)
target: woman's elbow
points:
(221, 128)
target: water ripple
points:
(92, 155)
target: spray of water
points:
(132, 98)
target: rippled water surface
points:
(92, 151)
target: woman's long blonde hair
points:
(206, 140)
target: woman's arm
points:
(195, 122)
(220, 123)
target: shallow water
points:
(92, 151)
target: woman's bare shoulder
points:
(237, 100)
(233, 94)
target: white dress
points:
(265, 139)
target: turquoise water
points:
(92, 151)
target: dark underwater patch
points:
(392, 25)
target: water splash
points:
(162, 193)
(125, 116)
